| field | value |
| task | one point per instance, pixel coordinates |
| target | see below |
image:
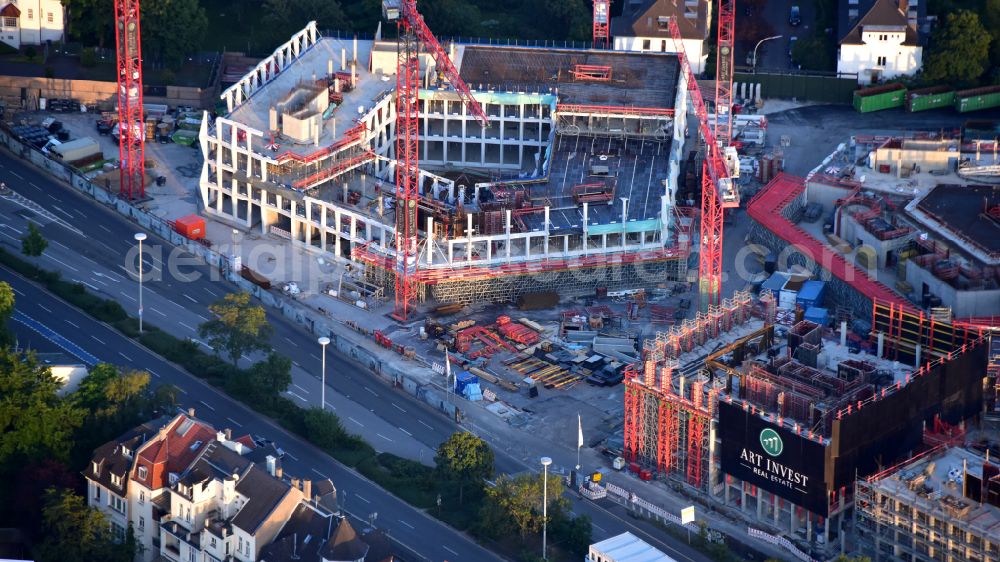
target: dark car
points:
(103, 127)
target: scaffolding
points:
(690, 333)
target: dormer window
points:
(116, 480)
(142, 473)
(97, 467)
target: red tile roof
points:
(172, 450)
(10, 11)
(765, 208)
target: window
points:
(10, 22)
(50, 17)
(881, 61)
(142, 523)
(142, 473)
(117, 503)
(97, 492)
(30, 13)
(645, 44)
(142, 497)
(663, 23)
(212, 542)
(663, 45)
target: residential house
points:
(644, 26)
(192, 494)
(316, 533)
(879, 39)
(31, 22)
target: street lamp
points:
(236, 262)
(323, 341)
(140, 236)
(754, 68)
(546, 461)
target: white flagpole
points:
(579, 439)
(447, 372)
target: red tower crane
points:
(413, 32)
(132, 138)
(717, 189)
(724, 73)
(602, 35)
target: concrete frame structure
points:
(292, 194)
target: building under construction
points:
(570, 186)
(780, 421)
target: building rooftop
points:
(627, 547)
(948, 484)
(115, 457)
(637, 79)
(649, 18)
(883, 14)
(310, 67)
(964, 212)
(263, 492)
(172, 451)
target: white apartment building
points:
(31, 22)
(881, 44)
(643, 26)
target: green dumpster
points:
(878, 98)
(930, 98)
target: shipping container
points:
(811, 294)
(977, 98)
(930, 98)
(878, 98)
(83, 150)
(817, 315)
(775, 283)
(191, 227)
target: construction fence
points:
(802, 87)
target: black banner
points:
(773, 458)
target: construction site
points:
(552, 169)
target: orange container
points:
(191, 227)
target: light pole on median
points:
(546, 461)
(140, 236)
(323, 341)
(754, 67)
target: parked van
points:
(795, 16)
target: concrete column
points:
(826, 530)
(743, 496)
(665, 219)
(468, 246)
(881, 344)
(565, 244)
(451, 251)
(760, 502)
(323, 228)
(295, 225)
(586, 224)
(307, 235)
(918, 353)
(507, 229)
(430, 240)
(547, 226)
(843, 333)
(777, 509)
(336, 229)
(624, 218)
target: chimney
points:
(229, 434)
(354, 74)
(279, 472)
(271, 464)
(329, 67)
(343, 59)
(307, 486)
(273, 118)
(295, 483)
(355, 49)
(190, 412)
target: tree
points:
(35, 423)
(172, 29)
(464, 459)
(239, 327)
(285, 17)
(7, 301)
(271, 377)
(959, 50)
(324, 428)
(75, 532)
(515, 504)
(573, 532)
(991, 20)
(33, 243)
(88, 21)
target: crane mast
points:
(414, 33)
(132, 138)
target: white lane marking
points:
(158, 312)
(106, 229)
(152, 372)
(331, 406)
(185, 325)
(61, 245)
(314, 356)
(45, 308)
(296, 363)
(407, 524)
(17, 175)
(17, 291)
(66, 265)
(355, 421)
(127, 358)
(203, 343)
(84, 283)
(425, 425)
(449, 550)
(398, 408)
(98, 341)
(297, 396)
(236, 423)
(15, 229)
(126, 295)
(181, 389)
(58, 208)
(53, 197)
(294, 458)
(72, 324)
(406, 432)
(599, 528)
(209, 291)
(291, 342)
(362, 498)
(384, 437)
(190, 299)
(300, 388)
(372, 391)
(207, 405)
(321, 475)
